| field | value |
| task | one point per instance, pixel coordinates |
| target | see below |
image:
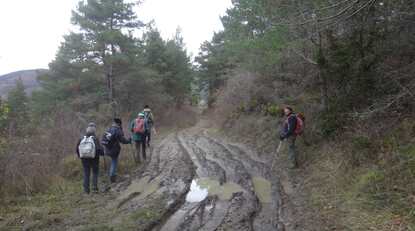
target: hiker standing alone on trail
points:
(111, 141)
(293, 127)
(89, 150)
(148, 123)
(137, 128)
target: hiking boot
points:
(113, 179)
(294, 165)
(95, 191)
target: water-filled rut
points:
(195, 181)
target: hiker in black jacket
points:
(89, 154)
(112, 148)
(288, 133)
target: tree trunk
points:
(110, 87)
(322, 75)
(110, 79)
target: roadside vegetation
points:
(348, 66)
(101, 70)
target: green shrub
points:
(72, 167)
(273, 110)
(361, 149)
(372, 186)
(330, 124)
(407, 156)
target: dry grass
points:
(352, 198)
(376, 194)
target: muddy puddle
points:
(262, 189)
(139, 189)
(196, 193)
(204, 187)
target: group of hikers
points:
(89, 148)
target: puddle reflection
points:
(196, 193)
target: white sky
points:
(32, 30)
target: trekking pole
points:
(276, 155)
(105, 163)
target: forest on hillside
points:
(348, 65)
(102, 70)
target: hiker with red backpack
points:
(138, 130)
(293, 127)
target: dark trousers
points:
(140, 150)
(147, 137)
(90, 165)
(292, 151)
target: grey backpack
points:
(87, 148)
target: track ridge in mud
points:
(239, 193)
(198, 181)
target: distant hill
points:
(29, 78)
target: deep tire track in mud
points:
(226, 164)
(237, 189)
(193, 180)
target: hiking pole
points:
(276, 155)
(105, 163)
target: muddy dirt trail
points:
(194, 180)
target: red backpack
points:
(139, 125)
(299, 129)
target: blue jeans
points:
(114, 165)
(88, 165)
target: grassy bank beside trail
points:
(63, 197)
(352, 182)
(56, 207)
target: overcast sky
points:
(31, 30)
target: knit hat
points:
(118, 121)
(91, 129)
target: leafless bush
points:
(31, 162)
(172, 116)
(235, 95)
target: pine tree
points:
(4, 115)
(171, 61)
(101, 45)
(19, 112)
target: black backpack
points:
(109, 137)
(148, 122)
